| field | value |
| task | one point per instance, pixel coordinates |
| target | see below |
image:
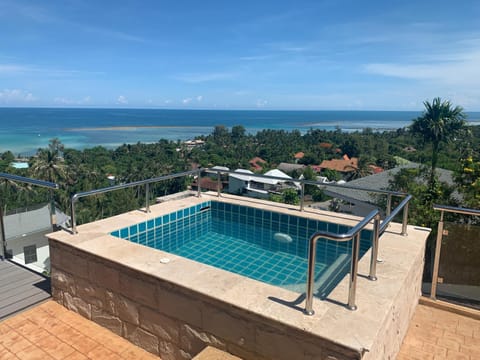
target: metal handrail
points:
(352, 233)
(146, 182)
(438, 246)
(390, 214)
(389, 218)
(31, 181)
(25, 180)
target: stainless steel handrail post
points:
(405, 220)
(218, 183)
(312, 250)
(199, 189)
(73, 215)
(389, 205)
(373, 260)
(436, 263)
(147, 197)
(302, 196)
(352, 287)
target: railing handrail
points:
(104, 190)
(307, 182)
(31, 181)
(353, 232)
(389, 218)
(457, 210)
(25, 180)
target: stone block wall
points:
(171, 321)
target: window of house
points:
(30, 254)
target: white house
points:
(245, 182)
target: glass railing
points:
(456, 266)
(27, 213)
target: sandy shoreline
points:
(130, 128)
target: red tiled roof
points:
(325, 145)
(340, 165)
(254, 163)
(299, 155)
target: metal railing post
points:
(3, 240)
(354, 235)
(218, 183)
(405, 220)
(199, 189)
(389, 205)
(302, 196)
(373, 260)
(312, 251)
(147, 197)
(73, 215)
(352, 287)
(436, 263)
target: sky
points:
(263, 54)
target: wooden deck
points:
(20, 288)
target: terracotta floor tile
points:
(103, 353)
(77, 356)
(6, 355)
(33, 353)
(455, 355)
(19, 345)
(55, 347)
(84, 344)
(9, 339)
(50, 331)
(135, 353)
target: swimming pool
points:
(260, 244)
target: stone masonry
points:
(169, 320)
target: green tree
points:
(440, 123)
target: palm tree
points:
(439, 123)
(48, 164)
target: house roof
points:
(380, 181)
(299, 155)
(242, 174)
(254, 162)
(341, 165)
(290, 167)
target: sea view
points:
(24, 130)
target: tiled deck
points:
(436, 334)
(50, 331)
(20, 288)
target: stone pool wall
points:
(170, 320)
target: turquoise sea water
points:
(24, 130)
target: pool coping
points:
(357, 330)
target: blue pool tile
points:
(115, 233)
(124, 233)
(158, 221)
(151, 224)
(142, 227)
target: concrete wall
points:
(172, 321)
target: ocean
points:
(24, 130)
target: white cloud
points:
(460, 70)
(261, 103)
(122, 100)
(12, 68)
(16, 96)
(204, 77)
(168, 101)
(199, 98)
(186, 101)
(66, 101)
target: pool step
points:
(211, 353)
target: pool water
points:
(246, 241)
